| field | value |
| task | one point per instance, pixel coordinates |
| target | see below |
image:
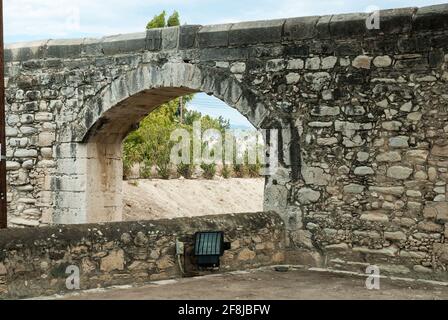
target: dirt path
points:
(272, 285)
(159, 199)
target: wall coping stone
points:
(340, 26)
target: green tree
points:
(174, 20)
(159, 21)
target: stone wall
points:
(33, 262)
(363, 113)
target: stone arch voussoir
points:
(145, 78)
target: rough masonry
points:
(363, 113)
(38, 262)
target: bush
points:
(209, 170)
(146, 169)
(226, 172)
(163, 167)
(239, 170)
(185, 170)
(253, 170)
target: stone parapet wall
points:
(340, 26)
(33, 262)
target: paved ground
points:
(273, 285)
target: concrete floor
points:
(272, 285)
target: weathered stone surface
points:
(441, 252)
(440, 151)
(300, 28)
(400, 173)
(382, 61)
(438, 210)
(214, 36)
(429, 226)
(399, 142)
(375, 216)
(364, 171)
(246, 255)
(395, 236)
(245, 33)
(324, 111)
(315, 176)
(389, 252)
(24, 222)
(114, 261)
(389, 157)
(307, 196)
(25, 153)
(354, 189)
(362, 62)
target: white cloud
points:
(61, 18)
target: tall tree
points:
(159, 21)
(174, 20)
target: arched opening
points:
(155, 187)
(114, 113)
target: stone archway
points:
(96, 140)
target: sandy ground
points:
(166, 199)
(272, 285)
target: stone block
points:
(170, 38)
(348, 25)
(246, 33)
(441, 252)
(214, 36)
(399, 172)
(133, 42)
(440, 151)
(395, 236)
(154, 39)
(308, 196)
(64, 49)
(396, 21)
(436, 210)
(300, 28)
(431, 18)
(114, 261)
(375, 216)
(25, 51)
(188, 36)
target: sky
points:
(27, 20)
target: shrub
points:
(185, 170)
(253, 170)
(239, 170)
(209, 170)
(226, 172)
(146, 169)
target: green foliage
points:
(209, 170)
(252, 170)
(239, 170)
(185, 170)
(150, 144)
(226, 172)
(174, 20)
(160, 21)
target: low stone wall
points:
(34, 262)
